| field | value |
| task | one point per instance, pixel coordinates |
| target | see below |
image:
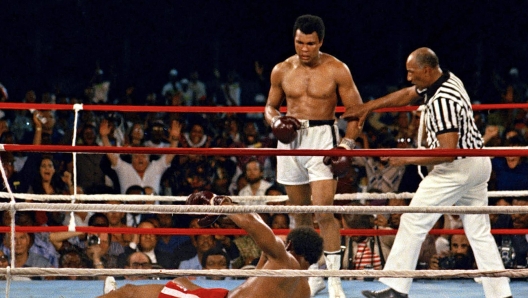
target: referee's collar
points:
(432, 89)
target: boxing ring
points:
(462, 283)
(421, 288)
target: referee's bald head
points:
(425, 57)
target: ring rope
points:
(222, 231)
(216, 109)
(484, 152)
(32, 271)
(201, 209)
(77, 108)
(281, 198)
(8, 280)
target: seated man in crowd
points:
(460, 255)
(257, 185)
(304, 247)
(137, 260)
(215, 258)
(146, 243)
(362, 252)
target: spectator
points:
(173, 86)
(173, 244)
(117, 219)
(362, 252)
(251, 139)
(380, 174)
(500, 221)
(92, 169)
(22, 123)
(146, 243)
(257, 186)
(101, 251)
(279, 221)
(135, 136)
(215, 258)
(133, 219)
(49, 182)
(198, 89)
(225, 242)
(232, 89)
(202, 243)
(41, 243)
(157, 135)
(518, 242)
(17, 181)
(460, 255)
(510, 173)
(24, 257)
(141, 171)
(138, 260)
(73, 258)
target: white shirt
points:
(152, 176)
(261, 191)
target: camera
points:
(507, 253)
(93, 240)
(448, 262)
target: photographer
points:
(460, 255)
(519, 242)
(101, 251)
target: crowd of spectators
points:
(175, 175)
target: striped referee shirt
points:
(448, 109)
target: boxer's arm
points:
(261, 233)
(349, 94)
(276, 95)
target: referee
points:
(461, 181)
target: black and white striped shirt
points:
(448, 109)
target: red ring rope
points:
(517, 151)
(216, 109)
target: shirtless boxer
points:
(311, 83)
(303, 248)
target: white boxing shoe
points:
(335, 290)
(317, 284)
(109, 285)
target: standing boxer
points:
(311, 82)
(458, 181)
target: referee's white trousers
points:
(462, 182)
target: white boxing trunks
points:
(298, 170)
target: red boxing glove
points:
(285, 128)
(340, 164)
(207, 198)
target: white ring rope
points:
(31, 271)
(76, 107)
(240, 199)
(207, 209)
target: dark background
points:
(55, 45)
